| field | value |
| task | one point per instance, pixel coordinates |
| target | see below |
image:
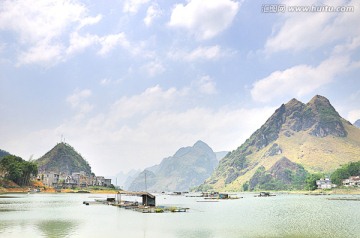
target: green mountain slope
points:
(63, 158)
(187, 168)
(3, 153)
(313, 135)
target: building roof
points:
(136, 193)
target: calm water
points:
(64, 215)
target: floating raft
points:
(148, 209)
(138, 208)
(345, 199)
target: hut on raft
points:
(147, 198)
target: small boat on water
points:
(217, 195)
(265, 194)
(35, 190)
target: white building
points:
(325, 184)
(353, 181)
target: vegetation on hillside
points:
(345, 171)
(3, 153)
(284, 175)
(63, 158)
(17, 170)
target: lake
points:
(284, 215)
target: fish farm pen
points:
(147, 205)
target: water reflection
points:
(64, 215)
(195, 234)
(57, 228)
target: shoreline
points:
(335, 191)
(52, 190)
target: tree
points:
(18, 170)
(345, 171)
(311, 181)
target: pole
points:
(145, 189)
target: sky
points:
(129, 82)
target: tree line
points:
(344, 172)
(18, 170)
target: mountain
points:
(63, 158)
(221, 154)
(283, 175)
(357, 123)
(3, 153)
(123, 179)
(312, 135)
(187, 168)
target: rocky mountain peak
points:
(327, 119)
(318, 99)
(293, 103)
(201, 144)
(295, 133)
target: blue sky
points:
(127, 83)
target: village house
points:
(101, 181)
(50, 179)
(353, 181)
(78, 179)
(69, 182)
(325, 183)
(81, 179)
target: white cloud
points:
(41, 53)
(201, 53)
(151, 99)
(77, 100)
(155, 118)
(79, 43)
(152, 12)
(124, 135)
(89, 21)
(154, 68)
(38, 26)
(206, 85)
(78, 96)
(299, 80)
(41, 27)
(348, 47)
(299, 31)
(204, 19)
(354, 115)
(132, 6)
(109, 81)
(107, 43)
(39, 20)
(111, 41)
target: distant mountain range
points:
(63, 158)
(187, 168)
(122, 179)
(357, 123)
(312, 137)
